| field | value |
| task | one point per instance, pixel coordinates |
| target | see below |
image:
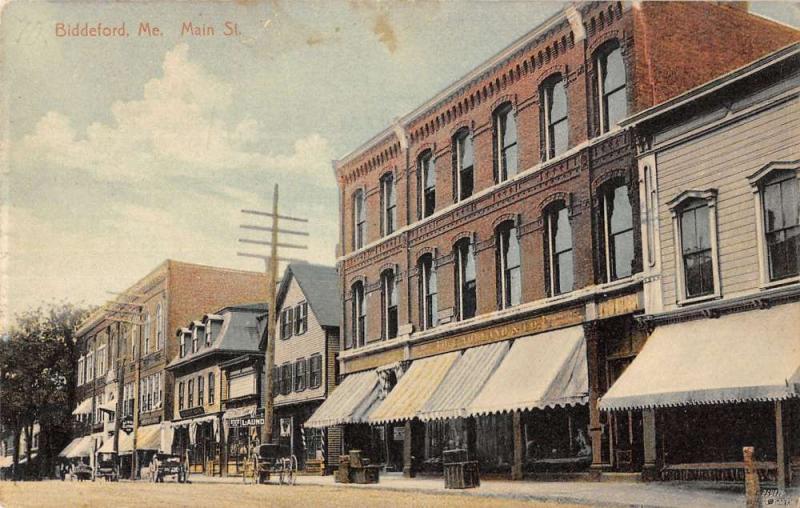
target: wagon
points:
(107, 466)
(275, 459)
(165, 464)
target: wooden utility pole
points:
(271, 265)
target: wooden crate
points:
(461, 475)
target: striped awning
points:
(84, 408)
(79, 447)
(414, 388)
(464, 381)
(72, 444)
(745, 357)
(148, 437)
(351, 401)
(540, 371)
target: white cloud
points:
(183, 125)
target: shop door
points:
(626, 435)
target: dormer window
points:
(209, 338)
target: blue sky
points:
(127, 151)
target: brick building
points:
(125, 346)
(490, 246)
(721, 168)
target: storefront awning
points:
(72, 444)
(84, 408)
(109, 407)
(148, 437)
(539, 371)
(414, 389)
(750, 356)
(464, 381)
(239, 412)
(351, 402)
(81, 448)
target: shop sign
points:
(399, 433)
(286, 427)
(126, 425)
(192, 411)
(248, 421)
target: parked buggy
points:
(275, 459)
(81, 472)
(107, 466)
(166, 464)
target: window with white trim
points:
(388, 205)
(428, 297)
(388, 304)
(465, 278)
(558, 235)
(464, 165)
(507, 255)
(505, 138)
(359, 315)
(301, 318)
(427, 183)
(359, 219)
(695, 229)
(780, 197)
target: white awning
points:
(110, 406)
(749, 356)
(414, 388)
(72, 444)
(464, 381)
(351, 402)
(81, 448)
(239, 412)
(84, 408)
(148, 437)
(539, 371)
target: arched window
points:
(159, 327)
(554, 117)
(359, 219)
(617, 216)
(427, 184)
(428, 297)
(465, 283)
(505, 136)
(146, 333)
(509, 279)
(388, 305)
(463, 165)
(558, 253)
(388, 205)
(611, 83)
(359, 317)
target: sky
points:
(123, 151)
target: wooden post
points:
(408, 466)
(591, 334)
(516, 423)
(272, 315)
(780, 448)
(223, 447)
(751, 485)
(649, 435)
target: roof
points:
(320, 286)
(414, 388)
(540, 371)
(749, 356)
(464, 381)
(240, 332)
(350, 402)
(712, 87)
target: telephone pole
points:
(271, 265)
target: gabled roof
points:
(239, 333)
(320, 285)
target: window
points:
(301, 318)
(211, 388)
(315, 371)
(159, 327)
(781, 211)
(183, 344)
(190, 393)
(465, 279)
(101, 361)
(159, 389)
(300, 375)
(611, 87)
(427, 184)
(505, 135)
(286, 379)
(146, 332)
(180, 395)
(359, 315)
(388, 205)
(81, 371)
(287, 319)
(427, 292)
(90, 366)
(359, 219)
(559, 250)
(617, 232)
(509, 278)
(388, 305)
(464, 165)
(554, 119)
(196, 338)
(200, 390)
(209, 337)
(276, 381)
(698, 270)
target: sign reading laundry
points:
(248, 421)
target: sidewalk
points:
(588, 493)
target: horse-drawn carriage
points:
(166, 464)
(270, 459)
(106, 467)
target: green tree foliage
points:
(37, 380)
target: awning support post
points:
(649, 471)
(408, 467)
(223, 448)
(591, 334)
(779, 445)
(516, 423)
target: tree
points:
(37, 380)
